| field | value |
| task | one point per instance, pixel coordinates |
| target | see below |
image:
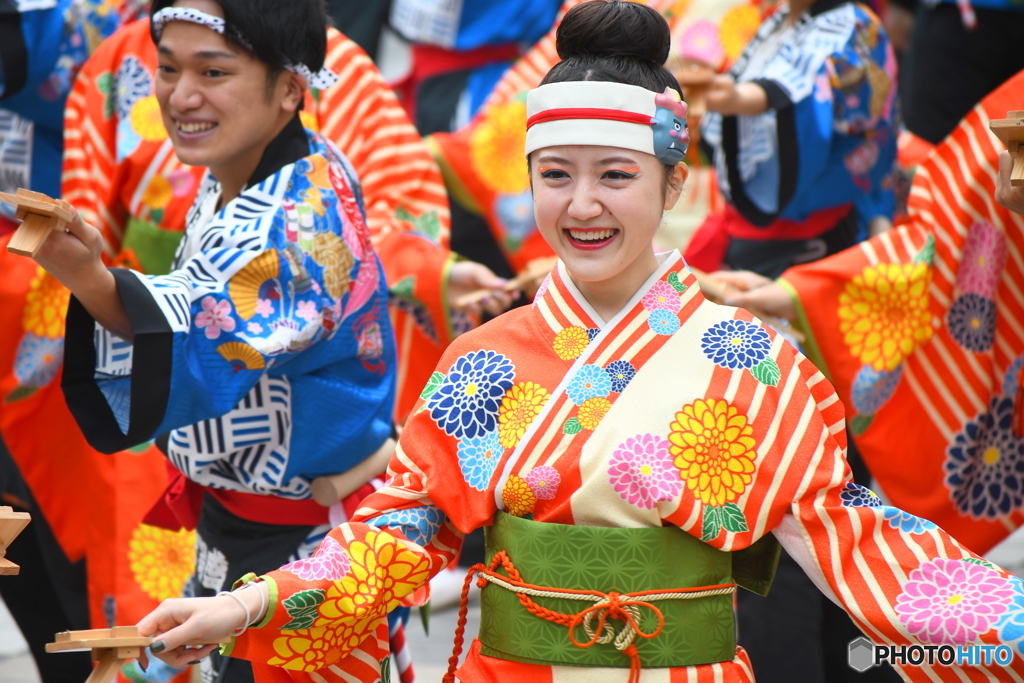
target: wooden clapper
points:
(11, 524)
(110, 648)
(39, 215)
(1010, 132)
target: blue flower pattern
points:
(478, 458)
(591, 381)
(873, 388)
(663, 322)
(1010, 379)
(985, 464)
(131, 84)
(857, 496)
(37, 360)
(736, 344)
(906, 522)
(466, 403)
(515, 213)
(419, 524)
(1011, 624)
(620, 372)
(972, 322)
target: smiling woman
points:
(635, 451)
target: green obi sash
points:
(153, 247)
(567, 558)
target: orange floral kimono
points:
(121, 173)
(921, 327)
(677, 416)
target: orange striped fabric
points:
(677, 412)
(947, 342)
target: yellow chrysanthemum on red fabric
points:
(158, 193)
(382, 571)
(713, 448)
(593, 411)
(162, 560)
(518, 497)
(519, 408)
(147, 121)
(737, 28)
(496, 148)
(883, 313)
(570, 342)
(46, 306)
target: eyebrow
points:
(616, 160)
(204, 54)
(601, 162)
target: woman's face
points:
(599, 207)
(214, 97)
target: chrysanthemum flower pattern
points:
(736, 344)
(855, 495)
(873, 388)
(620, 372)
(983, 259)
(466, 403)
(664, 322)
(593, 411)
(883, 313)
(419, 524)
(906, 522)
(330, 561)
(478, 458)
(161, 560)
(985, 464)
(714, 449)
(972, 322)
(519, 408)
(662, 297)
(590, 381)
(641, 471)
(46, 306)
(952, 602)
(517, 496)
(570, 342)
(543, 481)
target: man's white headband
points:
(324, 78)
(610, 115)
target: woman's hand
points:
(736, 99)
(758, 294)
(468, 277)
(180, 622)
(1006, 194)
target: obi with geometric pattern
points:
(612, 597)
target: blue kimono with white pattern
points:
(266, 356)
(829, 135)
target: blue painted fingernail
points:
(158, 647)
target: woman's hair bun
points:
(614, 29)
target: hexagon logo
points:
(862, 654)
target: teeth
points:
(591, 235)
(190, 128)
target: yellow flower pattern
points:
(518, 497)
(883, 313)
(593, 411)
(382, 572)
(147, 121)
(46, 305)
(496, 148)
(713, 448)
(570, 342)
(738, 26)
(519, 407)
(161, 560)
(158, 193)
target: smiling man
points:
(272, 323)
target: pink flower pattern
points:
(215, 317)
(255, 328)
(308, 311)
(701, 43)
(662, 297)
(265, 307)
(330, 562)
(983, 260)
(543, 481)
(641, 471)
(952, 602)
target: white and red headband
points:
(322, 79)
(610, 115)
